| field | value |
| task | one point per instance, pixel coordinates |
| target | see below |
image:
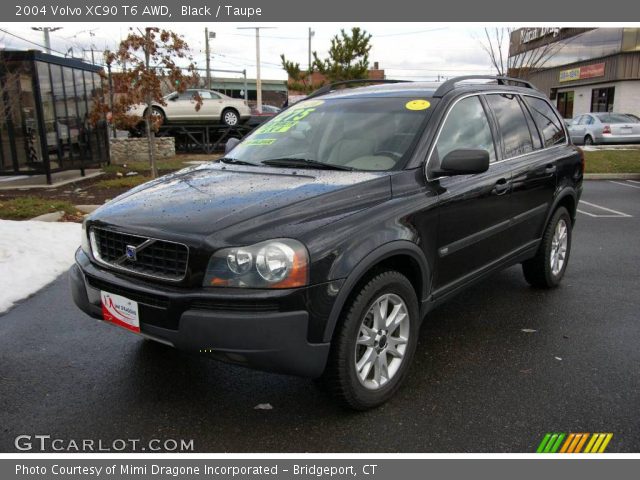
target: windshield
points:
(370, 133)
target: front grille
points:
(147, 256)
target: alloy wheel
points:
(559, 243)
(382, 341)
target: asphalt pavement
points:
(479, 383)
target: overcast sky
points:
(404, 50)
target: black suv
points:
(318, 244)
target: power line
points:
(29, 41)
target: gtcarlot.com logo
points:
(47, 443)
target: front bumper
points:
(261, 338)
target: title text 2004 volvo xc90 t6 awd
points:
(319, 243)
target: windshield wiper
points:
(304, 163)
(235, 161)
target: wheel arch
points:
(567, 198)
(400, 255)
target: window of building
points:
(516, 136)
(466, 127)
(547, 121)
(602, 99)
(565, 104)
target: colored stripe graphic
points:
(574, 442)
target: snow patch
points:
(32, 255)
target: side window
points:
(589, 119)
(516, 136)
(466, 126)
(205, 95)
(214, 96)
(548, 122)
(533, 129)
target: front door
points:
(474, 209)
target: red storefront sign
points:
(591, 71)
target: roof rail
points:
(449, 85)
(332, 86)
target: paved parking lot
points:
(479, 382)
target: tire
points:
(539, 271)
(588, 140)
(351, 346)
(230, 117)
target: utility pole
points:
(311, 34)
(47, 39)
(207, 36)
(258, 80)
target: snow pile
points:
(33, 254)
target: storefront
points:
(583, 70)
(44, 125)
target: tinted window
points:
(547, 121)
(513, 126)
(466, 126)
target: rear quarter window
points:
(547, 121)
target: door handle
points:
(550, 169)
(501, 187)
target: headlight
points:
(84, 241)
(281, 263)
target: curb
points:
(49, 217)
(612, 176)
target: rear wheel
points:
(588, 140)
(376, 338)
(230, 117)
(547, 268)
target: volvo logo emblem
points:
(131, 253)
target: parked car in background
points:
(257, 118)
(216, 107)
(318, 243)
(598, 128)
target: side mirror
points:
(231, 144)
(464, 161)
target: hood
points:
(211, 197)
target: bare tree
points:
(496, 43)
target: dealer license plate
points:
(120, 310)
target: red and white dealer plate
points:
(120, 310)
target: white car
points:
(216, 107)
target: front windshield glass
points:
(374, 133)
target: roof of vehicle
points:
(430, 89)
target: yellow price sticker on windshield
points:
(417, 105)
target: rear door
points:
(577, 130)
(474, 210)
(535, 173)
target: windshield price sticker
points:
(286, 121)
(256, 142)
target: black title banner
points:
(489, 11)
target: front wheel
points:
(376, 338)
(230, 118)
(547, 268)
